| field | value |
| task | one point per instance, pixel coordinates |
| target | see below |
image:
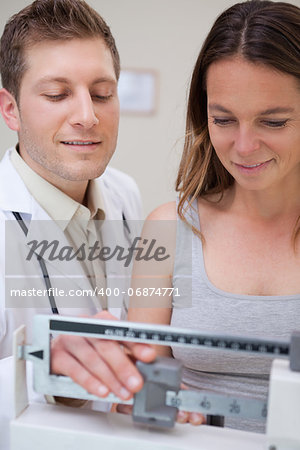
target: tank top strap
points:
(184, 253)
(191, 214)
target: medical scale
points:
(152, 425)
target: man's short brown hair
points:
(48, 20)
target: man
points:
(60, 68)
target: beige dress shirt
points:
(80, 224)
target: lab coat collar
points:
(14, 195)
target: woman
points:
(239, 203)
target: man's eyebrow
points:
(105, 80)
(45, 80)
(277, 110)
(63, 80)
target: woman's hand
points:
(190, 417)
(182, 416)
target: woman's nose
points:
(246, 141)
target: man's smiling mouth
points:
(80, 142)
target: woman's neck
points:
(265, 205)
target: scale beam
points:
(164, 393)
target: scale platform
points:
(53, 427)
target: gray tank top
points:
(204, 307)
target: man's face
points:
(68, 111)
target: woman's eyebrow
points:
(275, 110)
(217, 107)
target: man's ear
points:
(9, 110)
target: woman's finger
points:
(191, 417)
(124, 409)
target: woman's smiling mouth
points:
(253, 168)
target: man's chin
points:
(84, 174)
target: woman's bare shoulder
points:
(167, 211)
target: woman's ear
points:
(9, 110)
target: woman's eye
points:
(223, 122)
(275, 123)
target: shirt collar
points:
(95, 201)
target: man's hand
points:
(100, 366)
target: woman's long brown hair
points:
(262, 32)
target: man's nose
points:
(83, 113)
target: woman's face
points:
(254, 123)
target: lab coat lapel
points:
(114, 234)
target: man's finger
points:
(143, 352)
(120, 365)
(77, 358)
(69, 366)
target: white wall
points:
(162, 35)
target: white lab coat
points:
(121, 200)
